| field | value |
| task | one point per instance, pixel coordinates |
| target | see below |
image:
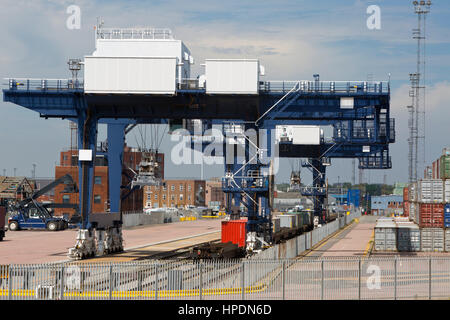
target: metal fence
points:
(290, 279)
(275, 273)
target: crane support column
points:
(87, 132)
(116, 142)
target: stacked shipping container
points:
(427, 203)
(385, 235)
(405, 202)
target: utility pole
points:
(417, 110)
(353, 171)
(33, 172)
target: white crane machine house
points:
(151, 61)
(137, 60)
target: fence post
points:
(110, 281)
(200, 290)
(139, 276)
(359, 279)
(156, 281)
(284, 279)
(9, 283)
(395, 278)
(62, 284)
(243, 280)
(429, 268)
(322, 284)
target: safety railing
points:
(57, 85)
(355, 278)
(133, 33)
(326, 86)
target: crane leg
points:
(87, 131)
(85, 246)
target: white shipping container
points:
(232, 76)
(287, 221)
(306, 135)
(413, 191)
(447, 240)
(138, 75)
(276, 224)
(432, 239)
(447, 191)
(412, 212)
(431, 191)
(385, 235)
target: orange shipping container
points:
(234, 231)
(406, 209)
(405, 194)
(431, 215)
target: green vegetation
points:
(371, 189)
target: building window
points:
(181, 197)
(172, 188)
(189, 187)
(172, 197)
(181, 187)
(97, 180)
(149, 197)
(66, 198)
(156, 196)
(164, 197)
(164, 188)
(189, 197)
(97, 199)
(149, 204)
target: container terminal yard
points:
(111, 225)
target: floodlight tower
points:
(421, 8)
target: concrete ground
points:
(33, 246)
(351, 241)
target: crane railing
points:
(24, 84)
(326, 86)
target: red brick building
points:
(100, 201)
(214, 194)
(175, 193)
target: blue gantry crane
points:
(128, 82)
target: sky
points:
(292, 39)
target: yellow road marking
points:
(145, 293)
(369, 244)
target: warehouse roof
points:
(11, 186)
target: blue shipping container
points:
(353, 197)
(447, 211)
(447, 216)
